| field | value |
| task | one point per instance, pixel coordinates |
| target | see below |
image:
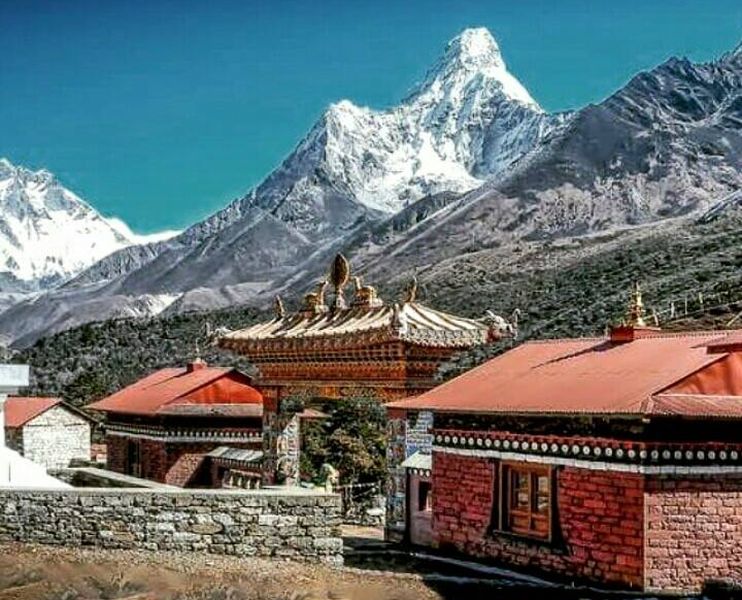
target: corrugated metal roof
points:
(19, 410)
(697, 405)
(236, 454)
(159, 392)
(418, 461)
(212, 410)
(409, 321)
(728, 342)
(585, 376)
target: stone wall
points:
(694, 531)
(598, 530)
(56, 437)
(298, 525)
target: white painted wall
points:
(56, 437)
(15, 470)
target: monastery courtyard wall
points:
(301, 525)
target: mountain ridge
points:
(646, 153)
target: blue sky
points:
(161, 112)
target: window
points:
(525, 494)
(424, 499)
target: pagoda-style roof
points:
(349, 327)
(364, 321)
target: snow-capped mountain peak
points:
(48, 233)
(472, 59)
(468, 121)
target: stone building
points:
(47, 431)
(362, 347)
(614, 459)
(168, 426)
(16, 470)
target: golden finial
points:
(635, 313)
(339, 276)
(314, 302)
(366, 295)
(411, 293)
(340, 271)
(278, 307)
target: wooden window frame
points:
(539, 524)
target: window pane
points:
(527, 503)
(520, 480)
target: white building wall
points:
(56, 437)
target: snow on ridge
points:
(141, 238)
(468, 121)
(48, 233)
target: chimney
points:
(195, 365)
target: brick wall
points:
(600, 521)
(298, 525)
(694, 531)
(175, 464)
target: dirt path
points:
(29, 572)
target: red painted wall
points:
(601, 518)
(174, 464)
(694, 531)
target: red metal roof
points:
(20, 410)
(162, 391)
(727, 343)
(697, 405)
(583, 376)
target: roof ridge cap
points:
(563, 339)
(223, 371)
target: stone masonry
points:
(296, 525)
(55, 438)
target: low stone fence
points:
(300, 525)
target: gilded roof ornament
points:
(339, 276)
(411, 292)
(340, 272)
(314, 302)
(635, 312)
(365, 295)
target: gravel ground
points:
(30, 572)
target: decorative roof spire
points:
(339, 276)
(366, 295)
(635, 312)
(314, 302)
(411, 292)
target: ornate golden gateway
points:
(331, 350)
(395, 348)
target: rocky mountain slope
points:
(468, 121)
(689, 272)
(47, 233)
(666, 145)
